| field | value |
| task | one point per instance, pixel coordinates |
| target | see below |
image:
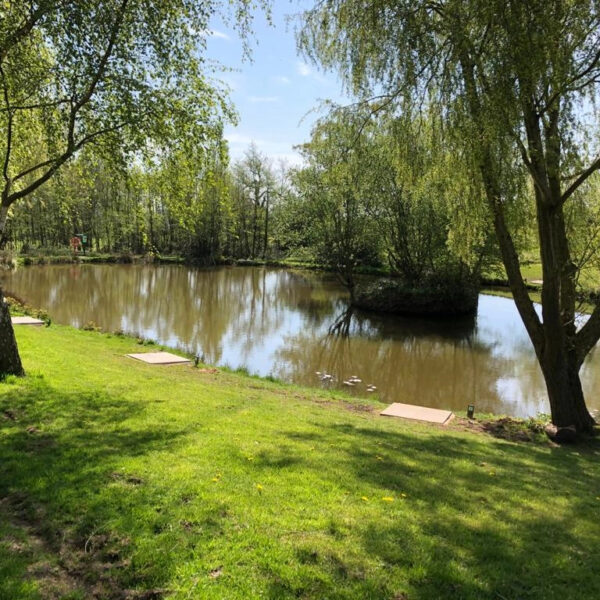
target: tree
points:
(338, 199)
(190, 192)
(417, 181)
(115, 73)
(254, 181)
(514, 82)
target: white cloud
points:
(256, 99)
(213, 33)
(291, 159)
(239, 139)
(230, 81)
(283, 80)
(218, 34)
(303, 69)
(239, 142)
(307, 71)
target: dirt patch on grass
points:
(62, 563)
(348, 405)
(127, 478)
(9, 415)
(506, 428)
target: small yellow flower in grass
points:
(379, 457)
(364, 498)
(403, 495)
(215, 479)
(387, 499)
(259, 487)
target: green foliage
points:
(254, 191)
(336, 198)
(124, 75)
(423, 190)
(380, 186)
(512, 83)
(446, 293)
(18, 306)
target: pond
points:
(292, 324)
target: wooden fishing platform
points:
(26, 321)
(418, 413)
(160, 358)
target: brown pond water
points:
(287, 324)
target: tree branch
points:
(25, 29)
(16, 107)
(72, 145)
(35, 168)
(104, 59)
(580, 180)
(9, 128)
(567, 87)
(588, 335)
(56, 163)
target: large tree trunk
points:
(559, 357)
(565, 393)
(10, 361)
(560, 349)
(555, 338)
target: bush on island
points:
(434, 295)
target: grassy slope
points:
(200, 485)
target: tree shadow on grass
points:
(59, 482)
(473, 519)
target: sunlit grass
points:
(117, 476)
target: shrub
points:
(431, 296)
(7, 260)
(19, 306)
(125, 258)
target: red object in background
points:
(75, 243)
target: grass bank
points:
(121, 480)
(95, 258)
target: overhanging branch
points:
(580, 180)
(588, 335)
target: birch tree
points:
(115, 73)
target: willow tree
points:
(515, 82)
(115, 73)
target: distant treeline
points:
(371, 192)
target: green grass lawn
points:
(121, 480)
(531, 269)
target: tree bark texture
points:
(10, 361)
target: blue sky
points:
(275, 93)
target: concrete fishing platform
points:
(26, 321)
(418, 413)
(160, 358)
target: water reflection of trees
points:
(417, 361)
(287, 319)
(197, 310)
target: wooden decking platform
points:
(26, 321)
(418, 413)
(160, 358)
